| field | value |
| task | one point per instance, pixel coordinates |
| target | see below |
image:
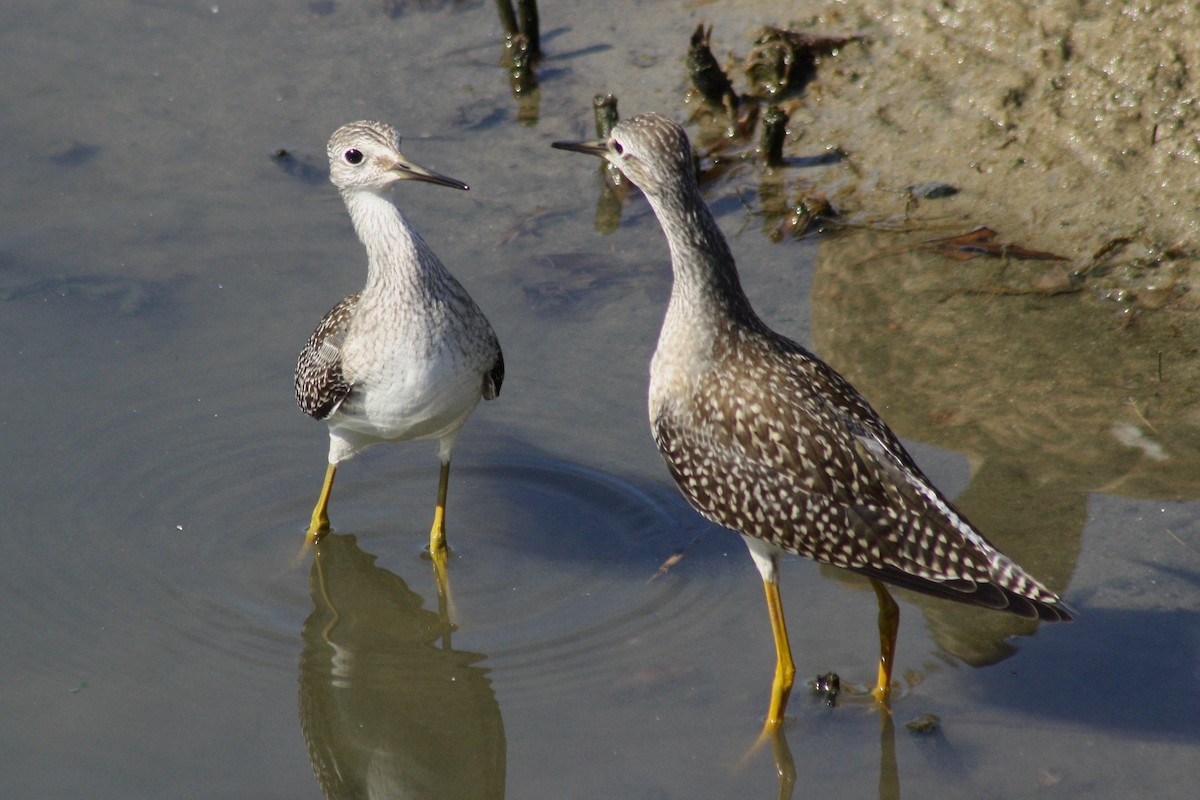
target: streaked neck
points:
(398, 260)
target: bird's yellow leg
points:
(889, 624)
(319, 526)
(437, 534)
(438, 550)
(785, 669)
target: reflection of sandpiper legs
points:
(445, 599)
(323, 590)
(889, 771)
(785, 766)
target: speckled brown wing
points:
(320, 384)
(778, 446)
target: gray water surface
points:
(166, 637)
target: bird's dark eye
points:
(353, 156)
(618, 148)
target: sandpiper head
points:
(651, 150)
(366, 155)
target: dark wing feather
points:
(320, 385)
(494, 377)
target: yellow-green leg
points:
(319, 525)
(889, 624)
(437, 534)
(438, 550)
(785, 668)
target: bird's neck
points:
(399, 263)
(706, 292)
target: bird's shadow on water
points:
(388, 707)
(1136, 672)
(1133, 671)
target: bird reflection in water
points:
(388, 709)
(889, 771)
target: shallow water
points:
(167, 638)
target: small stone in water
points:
(926, 723)
(829, 685)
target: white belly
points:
(428, 400)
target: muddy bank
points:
(1069, 127)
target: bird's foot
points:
(317, 528)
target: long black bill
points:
(407, 170)
(596, 147)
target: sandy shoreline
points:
(1067, 127)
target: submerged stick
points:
(774, 128)
(508, 18)
(707, 75)
(531, 27)
(520, 67)
(605, 106)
